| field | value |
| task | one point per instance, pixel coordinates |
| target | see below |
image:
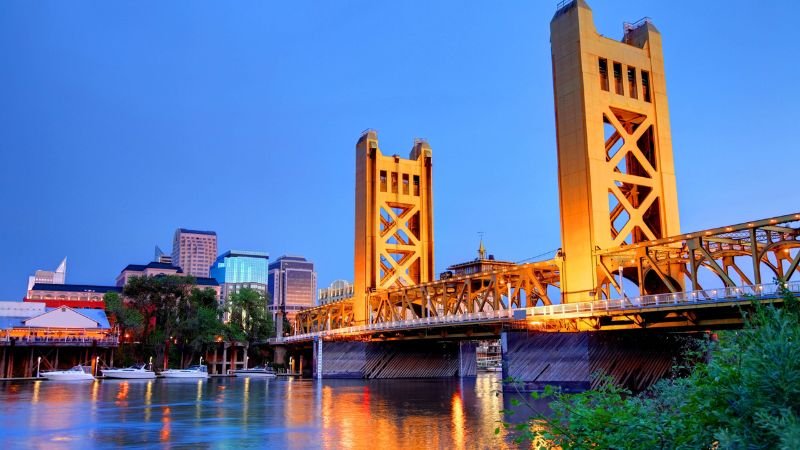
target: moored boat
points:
(77, 373)
(139, 372)
(258, 371)
(199, 371)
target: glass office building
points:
(237, 269)
(292, 285)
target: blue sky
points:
(121, 121)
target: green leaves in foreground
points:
(746, 396)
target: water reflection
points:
(234, 413)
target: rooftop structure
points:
(58, 276)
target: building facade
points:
(194, 251)
(483, 263)
(338, 290)
(71, 295)
(238, 269)
(154, 269)
(292, 285)
(58, 276)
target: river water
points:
(280, 413)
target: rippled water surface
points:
(253, 413)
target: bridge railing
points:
(647, 302)
(665, 300)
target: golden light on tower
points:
(394, 220)
(616, 174)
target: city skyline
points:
(490, 95)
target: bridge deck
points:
(539, 317)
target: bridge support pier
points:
(279, 355)
(571, 361)
(418, 359)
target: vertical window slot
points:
(646, 86)
(383, 181)
(416, 185)
(632, 85)
(405, 184)
(394, 182)
(603, 74)
(618, 78)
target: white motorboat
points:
(139, 372)
(77, 373)
(199, 371)
(258, 371)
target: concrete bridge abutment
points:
(573, 361)
(396, 359)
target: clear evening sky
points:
(121, 121)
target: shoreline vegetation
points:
(170, 318)
(742, 393)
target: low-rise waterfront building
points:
(482, 263)
(34, 323)
(70, 295)
(153, 269)
(338, 290)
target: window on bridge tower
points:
(416, 185)
(632, 90)
(394, 182)
(383, 181)
(405, 184)
(618, 78)
(603, 74)
(646, 86)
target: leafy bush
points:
(744, 397)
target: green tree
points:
(200, 324)
(128, 320)
(250, 322)
(163, 302)
(745, 396)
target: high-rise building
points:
(194, 251)
(237, 269)
(58, 276)
(292, 285)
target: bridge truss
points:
(734, 259)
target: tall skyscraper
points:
(194, 251)
(292, 285)
(58, 276)
(237, 269)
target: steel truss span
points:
(721, 265)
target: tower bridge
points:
(562, 318)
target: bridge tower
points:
(394, 220)
(615, 166)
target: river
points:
(281, 413)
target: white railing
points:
(643, 303)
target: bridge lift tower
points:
(615, 166)
(394, 221)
